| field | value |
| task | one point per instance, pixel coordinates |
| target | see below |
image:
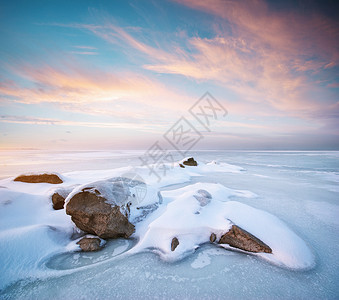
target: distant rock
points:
(93, 214)
(39, 178)
(181, 166)
(174, 244)
(241, 239)
(89, 244)
(190, 162)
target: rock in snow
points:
(241, 239)
(175, 243)
(190, 162)
(58, 201)
(39, 178)
(213, 237)
(59, 195)
(91, 213)
(89, 244)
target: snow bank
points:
(184, 218)
(22, 249)
(29, 231)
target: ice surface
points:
(325, 212)
(295, 191)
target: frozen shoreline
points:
(20, 232)
(27, 218)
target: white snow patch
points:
(182, 217)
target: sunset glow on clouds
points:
(118, 75)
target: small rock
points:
(59, 196)
(213, 237)
(202, 200)
(205, 194)
(58, 201)
(190, 162)
(181, 166)
(89, 244)
(241, 239)
(174, 244)
(39, 178)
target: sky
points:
(79, 75)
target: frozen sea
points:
(300, 188)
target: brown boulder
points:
(89, 244)
(91, 213)
(174, 244)
(241, 239)
(58, 201)
(59, 195)
(190, 162)
(39, 178)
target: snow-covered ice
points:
(286, 199)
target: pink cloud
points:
(49, 121)
(92, 91)
(269, 59)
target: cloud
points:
(84, 52)
(28, 120)
(85, 47)
(271, 58)
(71, 86)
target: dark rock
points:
(241, 239)
(190, 162)
(59, 196)
(91, 213)
(213, 237)
(58, 201)
(89, 244)
(174, 244)
(181, 166)
(39, 178)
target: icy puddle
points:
(74, 260)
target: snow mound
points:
(22, 250)
(182, 216)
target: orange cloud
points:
(72, 87)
